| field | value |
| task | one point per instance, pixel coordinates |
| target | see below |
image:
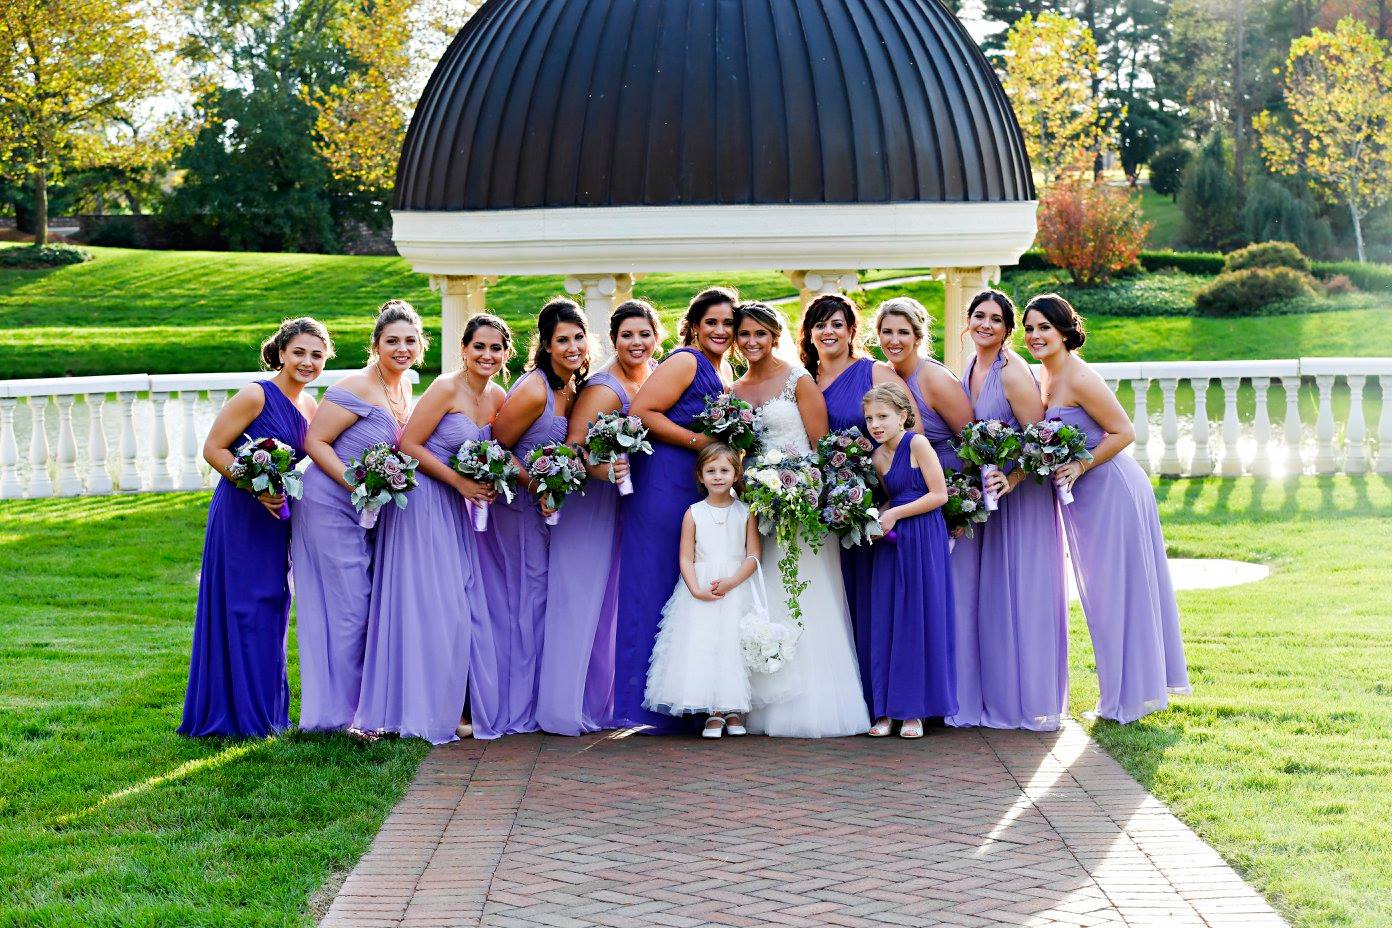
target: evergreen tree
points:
(1210, 198)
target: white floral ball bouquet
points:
(557, 471)
(613, 436)
(767, 645)
(488, 462)
(381, 475)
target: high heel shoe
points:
(911, 728)
(881, 728)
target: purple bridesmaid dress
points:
(331, 556)
(664, 486)
(575, 693)
(843, 399)
(514, 556)
(427, 596)
(237, 685)
(906, 645)
(1123, 578)
(1012, 649)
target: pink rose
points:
(838, 459)
(856, 494)
(397, 481)
(863, 444)
(543, 466)
(391, 467)
(261, 457)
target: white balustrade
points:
(1384, 455)
(9, 450)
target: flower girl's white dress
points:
(697, 664)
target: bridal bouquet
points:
(783, 492)
(487, 462)
(990, 444)
(267, 465)
(965, 506)
(731, 420)
(848, 509)
(379, 476)
(845, 456)
(613, 436)
(557, 471)
(1046, 446)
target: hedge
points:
(1250, 292)
(1364, 276)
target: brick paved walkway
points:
(961, 828)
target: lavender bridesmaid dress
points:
(1012, 650)
(427, 596)
(237, 685)
(515, 556)
(843, 399)
(664, 486)
(575, 694)
(331, 556)
(1123, 578)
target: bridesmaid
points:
(331, 552)
(830, 351)
(1113, 528)
(1012, 650)
(516, 547)
(237, 685)
(575, 694)
(427, 594)
(664, 486)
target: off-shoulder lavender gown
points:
(515, 556)
(427, 597)
(331, 558)
(1012, 651)
(576, 691)
(237, 685)
(664, 486)
(1123, 578)
(843, 399)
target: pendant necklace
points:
(404, 414)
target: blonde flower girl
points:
(697, 664)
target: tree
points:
(68, 68)
(1210, 198)
(1338, 96)
(1090, 229)
(1167, 169)
(1050, 69)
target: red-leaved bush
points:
(1090, 230)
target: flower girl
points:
(697, 664)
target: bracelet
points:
(694, 436)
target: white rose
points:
(774, 457)
(769, 478)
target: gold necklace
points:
(404, 414)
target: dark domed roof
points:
(564, 103)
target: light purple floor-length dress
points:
(575, 693)
(1012, 651)
(1123, 579)
(427, 596)
(331, 562)
(515, 557)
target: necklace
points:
(392, 404)
(715, 509)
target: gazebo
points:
(606, 139)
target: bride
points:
(817, 694)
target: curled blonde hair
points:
(913, 312)
(893, 396)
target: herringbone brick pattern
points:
(961, 828)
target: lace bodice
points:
(780, 421)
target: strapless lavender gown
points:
(575, 693)
(1012, 650)
(1123, 578)
(331, 557)
(427, 597)
(515, 554)
(237, 685)
(843, 399)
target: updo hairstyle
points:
(398, 311)
(635, 309)
(893, 396)
(1062, 316)
(911, 311)
(272, 347)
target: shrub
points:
(1169, 294)
(1249, 292)
(1210, 197)
(1364, 276)
(115, 233)
(1339, 285)
(1167, 167)
(1206, 263)
(42, 256)
(1268, 254)
(1273, 213)
(1090, 230)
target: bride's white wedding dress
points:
(823, 674)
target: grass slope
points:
(1283, 758)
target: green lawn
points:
(1165, 217)
(1283, 758)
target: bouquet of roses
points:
(965, 507)
(783, 492)
(730, 419)
(557, 470)
(613, 436)
(1046, 446)
(990, 444)
(848, 509)
(267, 465)
(845, 456)
(487, 462)
(767, 645)
(379, 476)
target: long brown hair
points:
(818, 311)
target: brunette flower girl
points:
(697, 664)
(906, 647)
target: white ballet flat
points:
(734, 728)
(713, 731)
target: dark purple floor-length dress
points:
(664, 486)
(843, 399)
(237, 685)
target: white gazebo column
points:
(960, 284)
(602, 292)
(812, 284)
(460, 298)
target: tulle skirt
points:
(697, 664)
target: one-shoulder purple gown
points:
(575, 694)
(1123, 578)
(906, 646)
(1012, 651)
(237, 685)
(331, 556)
(427, 596)
(843, 399)
(664, 486)
(515, 557)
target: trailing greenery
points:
(33, 257)
(1267, 254)
(1252, 292)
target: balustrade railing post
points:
(1293, 432)
(1356, 435)
(129, 479)
(1141, 422)
(10, 487)
(39, 482)
(1170, 465)
(189, 477)
(1261, 428)
(1384, 456)
(1202, 463)
(68, 482)
(98, 479)
(1325, 462)
(161, 478)
(1232, 429)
